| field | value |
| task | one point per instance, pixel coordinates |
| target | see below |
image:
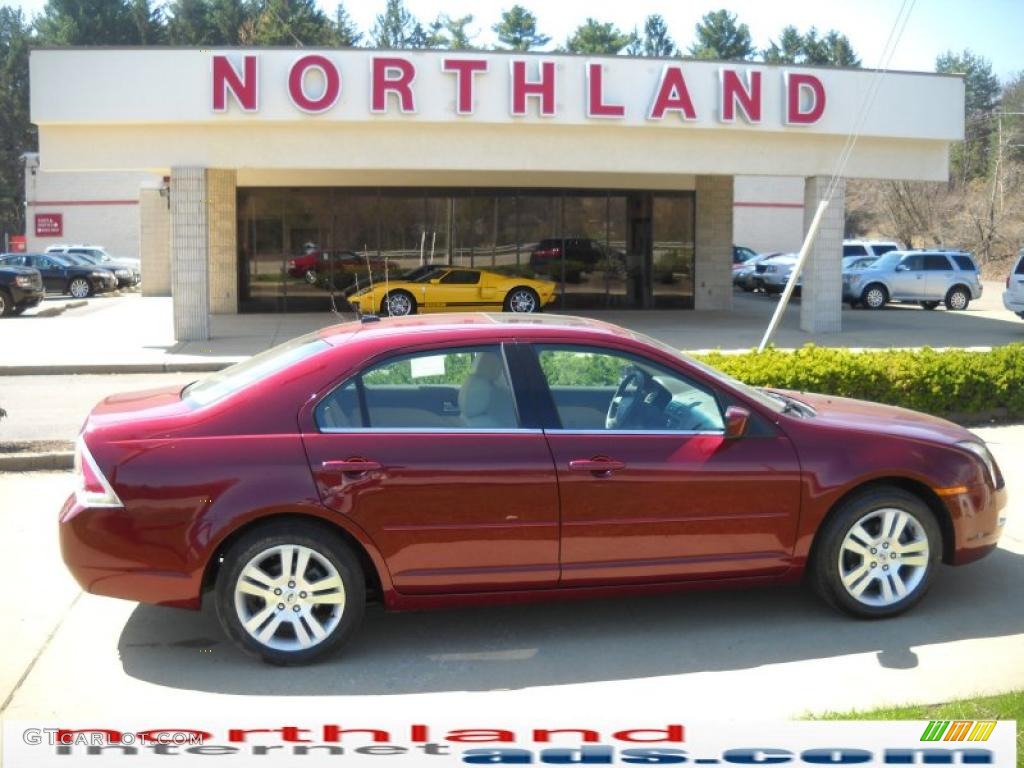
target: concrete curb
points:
(36, 462)
(203, 366)
(54, 311)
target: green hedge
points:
(955, 383)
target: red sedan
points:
(475, 458)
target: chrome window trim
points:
(634, 432)
(426, 431)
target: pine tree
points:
(517, 30)
(720, 37)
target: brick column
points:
(821, 298)
(222, 229)
(155, 242)
(189, 254)
(713, 243)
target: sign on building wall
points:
(17, 244)
(49, 225)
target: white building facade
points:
(636, 172)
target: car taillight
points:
(93, 489)
(291, 263)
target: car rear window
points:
(881, 249)
(219, 385)
(854, 250)
(965, 263)
(1020, 266)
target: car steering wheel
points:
(628, 396)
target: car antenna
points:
(371, 316)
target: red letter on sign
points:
(735, 93)
(543, 88)
(392, 75)
(672, 96)
(296, 84)
(595, 95)
(795, 86)
(243, 87)
(464, 70)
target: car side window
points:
(937, 262)
(461, 277)
(854, 250)
(965, 263)
(914, 263)
(600, 389)
(461, 388)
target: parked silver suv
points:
(925, 277)
(1013, 296)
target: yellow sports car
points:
(437, 288)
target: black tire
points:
(6, 304)
(929, 305)
(958, 298)
(825, 568)
(77, 280)
(519, 297)
(326, 544)
(747, 288)
(869, 297)
(20, 309)
(310, 276)
(385, 304)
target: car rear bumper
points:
(98, 552)
(1013, 302)
(978, 516)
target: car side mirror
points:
(736, 419)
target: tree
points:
(517, 30)
(788, 50)
(598, 37)
(720, 37)
(17, 135)
(348, 35)
(233, 22)
(292, 22)
(87, 22)
(834, 49)
(189, 22)
(149, 23)
(398, 28)
(970, 159)
(656, 41)
(452, 33)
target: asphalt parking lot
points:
(716, 655)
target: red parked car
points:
(471, 458)
(314, 263)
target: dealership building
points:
(627, 180)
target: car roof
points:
(475, 323)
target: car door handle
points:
(351, 466)
(601, 467)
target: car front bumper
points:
(978, 515)
(26, 297)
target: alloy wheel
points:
(398, 304)
(522, 300)
(79, 288)
(957, 300)
(884, 557)
(289, 597)
(3, 305)
(874, 298)
(311, 276)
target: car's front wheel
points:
(311, 276)
(875, 296)
(398, 304)
(877, 553)
(6, 305)
(522, 299)
(290, 593)
(79, 288)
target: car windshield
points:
(424, 274)
(241, 375)
(765, 399)
(61, 259)
(888, 261)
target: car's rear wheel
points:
(876, 555)
(522, 299)
(311, 276)
(290, 593)
(928, 304)
(875, 296)
(79, 288)
(6, 304)
(958, 298)
(398, 304)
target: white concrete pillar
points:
(821, 297)
(155, 241)
(190, 285)
(712, 287)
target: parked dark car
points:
(21, 288)
(472, 458)
(740, 254)
(62, 276)
(587, 252)
(128, 276)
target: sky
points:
(991, 28)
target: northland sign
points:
(314, 85)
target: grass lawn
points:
(1006, 706)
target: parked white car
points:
(874, 248)
(97, 253)
(1013, 296)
